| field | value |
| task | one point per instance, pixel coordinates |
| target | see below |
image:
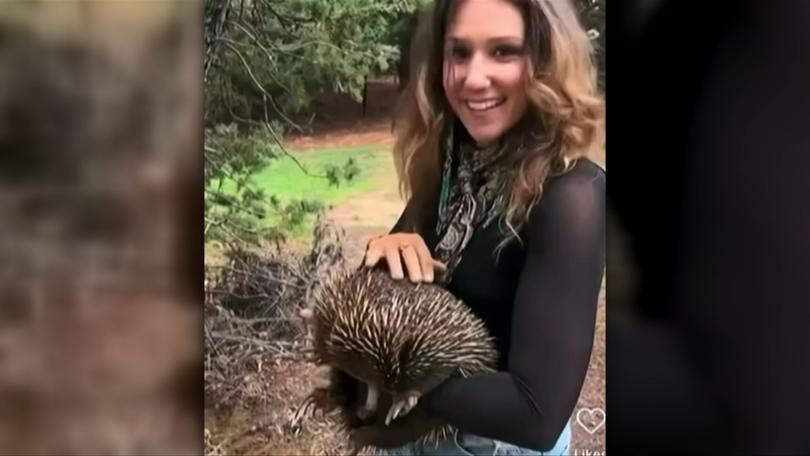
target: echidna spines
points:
(398, 336)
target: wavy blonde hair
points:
(565, 114)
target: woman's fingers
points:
(373, 255)
(425, 261)
(409, 249)
(394, 262)
(412, 263)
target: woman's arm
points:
(553, 323)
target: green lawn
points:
(283, 178)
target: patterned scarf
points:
(470, 198)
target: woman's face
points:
(484, 67)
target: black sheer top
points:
(539, 300)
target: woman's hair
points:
(564, 117)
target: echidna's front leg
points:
(370, 407)
(401, 406)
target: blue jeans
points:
(472, 445)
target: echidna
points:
(393, 341)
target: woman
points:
(492, 127)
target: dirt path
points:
(361, 133)
(370, 214)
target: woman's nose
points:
(477, 75)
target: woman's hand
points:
(408, 248)
(401, 431)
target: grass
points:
(283, 178)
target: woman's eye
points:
(507, 51)
(459, 52)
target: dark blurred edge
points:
(709, 235)
(101, 251)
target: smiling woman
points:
(484, 69)
(505, 210)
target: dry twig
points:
(252, 305)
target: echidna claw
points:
(401, 407)
(370, 406)
(305, 409)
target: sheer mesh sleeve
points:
(553, 323)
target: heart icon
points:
(594, 419)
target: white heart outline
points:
(591, 411)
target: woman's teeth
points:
(479, 106)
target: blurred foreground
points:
(100, 246)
